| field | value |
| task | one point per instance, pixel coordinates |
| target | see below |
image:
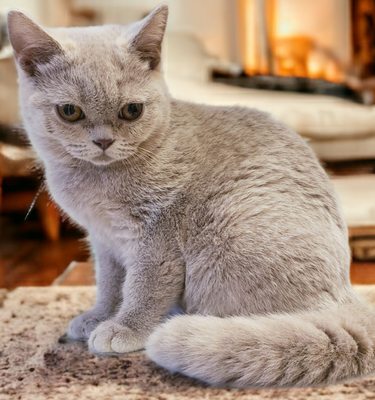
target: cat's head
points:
(94, 94)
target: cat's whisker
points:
(146, 151)
(149, 161)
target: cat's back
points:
(237, 142)
(260, 198)
(235, 130)
(255, 170)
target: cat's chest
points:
(97, 208)
(111, 218)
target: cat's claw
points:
(81, 326)
(110, 337)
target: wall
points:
(212, 21)
(31, 7)
(48, 13)
(328, 21)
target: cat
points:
(221, 211)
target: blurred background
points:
(309, 63)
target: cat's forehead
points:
(95, 58)
(96, 41)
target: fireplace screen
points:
(318, 46)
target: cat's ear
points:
(149, 36)
(32, 46)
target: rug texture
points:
(33, 365)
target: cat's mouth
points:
(102, 159)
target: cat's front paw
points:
(81, 326)
(111, 337)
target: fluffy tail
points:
(301, 349)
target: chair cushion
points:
(337, 129)
(356, 194)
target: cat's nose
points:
(103, 143)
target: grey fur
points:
(221, 210)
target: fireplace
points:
(320, 46)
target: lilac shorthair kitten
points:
(220, 210)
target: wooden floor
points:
(362, 273)
(28, 259)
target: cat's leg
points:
(109, 280)
(151, 289)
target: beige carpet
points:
(33, 365)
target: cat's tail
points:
(307, 348)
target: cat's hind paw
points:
(110, 337)
(81, 326)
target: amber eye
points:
(131, 111)
(70, 112)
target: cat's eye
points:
(131, 111)
(70, 112)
